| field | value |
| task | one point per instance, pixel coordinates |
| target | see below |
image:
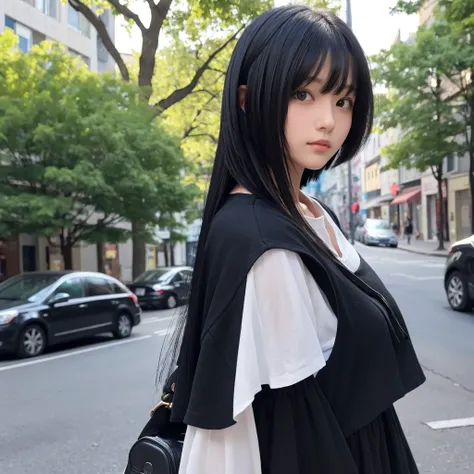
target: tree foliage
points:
(420, 78)
(80, 152)
(196, 118)
(452, 56)
(200, 33)
(457, 12)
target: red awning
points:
(409, 195)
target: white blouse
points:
(288, 332)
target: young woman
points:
(293, 350)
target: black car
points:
(164, 287)
(459, 275)
(39, 309)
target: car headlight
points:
(8, 315)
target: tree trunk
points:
(100, 257)
(172, 253)
(165, 250)
(66, 252)
(471, 165)
(139, 250)
(65, 244)
(439, 179)
(471, 185)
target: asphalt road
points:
(78, 409)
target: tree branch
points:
(434, 172)
(192, 127)
(127, 13)
(162, 8)
(180, 94)
(102, 31)
(217, 70)
(208, 135)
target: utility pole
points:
(349, 167)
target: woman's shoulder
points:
(248, 219)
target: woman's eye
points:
(345, 103)
(302, 96)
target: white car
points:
(376, 232)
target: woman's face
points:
(317, 124)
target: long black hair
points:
(280, 51)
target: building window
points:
(9, 23)
(73, 18)
(81, 56)
(451, 164)
(48, 7)
(25, 35)
(77, 21)
(102, 53)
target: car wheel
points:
(394, 246)
(124, 326)
(171, 302)
(457, 292)
(32, 341)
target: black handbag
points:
(159, 445)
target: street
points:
(78, 409)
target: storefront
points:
(431, 208)
(371, 205)
(459, 207)
(408, 203)
(9, 257)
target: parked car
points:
(39, 309)
(376, 232)
(164, 287)
(459, 275)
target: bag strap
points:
(159, 421)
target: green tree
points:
(80, 152)
(199, 32)
(416, 104)
(188, 23)
(454, 27)
(459, 12)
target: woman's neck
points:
(306, 205)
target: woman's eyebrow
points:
(347, 89)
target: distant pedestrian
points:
(293, 351)
(408, 229)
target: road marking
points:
(448, 424)
(412, 277)
(161, 332)
(155, 320)
(73, 353)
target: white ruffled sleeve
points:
(284, 311)
(285, 318)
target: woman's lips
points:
(320, 145)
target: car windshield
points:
(153, 275)
(27, 287)
(378, 225)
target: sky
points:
(371, 21)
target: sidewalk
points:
(424, 248)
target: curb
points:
(423, 252)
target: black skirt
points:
(298, 434)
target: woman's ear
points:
(242, 94)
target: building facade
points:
(37, 20)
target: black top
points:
(372, 363)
